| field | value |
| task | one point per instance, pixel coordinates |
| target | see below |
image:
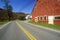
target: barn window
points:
(40, 18)
(44, 17)
(57, 17)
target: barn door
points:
(50, 19)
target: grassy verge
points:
(57, 27)
(3, 22)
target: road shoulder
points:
(2, 26)
(46, 28)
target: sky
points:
(25, 6)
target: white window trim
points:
(36, 19)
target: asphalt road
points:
(18, 30)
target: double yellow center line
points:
(26, 32)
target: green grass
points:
(57, 27)
(3, 22)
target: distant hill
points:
(20, 15)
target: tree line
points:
(12, 15)
(7, 14)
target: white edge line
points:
(4, 25)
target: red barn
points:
(46, 11)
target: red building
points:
(46, 11)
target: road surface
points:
(18, 30)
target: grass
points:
(56, 27)
(3, 22)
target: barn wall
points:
(46, 8)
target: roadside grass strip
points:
(26, 32)
(3, 22)
(56, 27)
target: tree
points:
(6, 2)
(9, 11)
(3, 14)
(7, 7)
